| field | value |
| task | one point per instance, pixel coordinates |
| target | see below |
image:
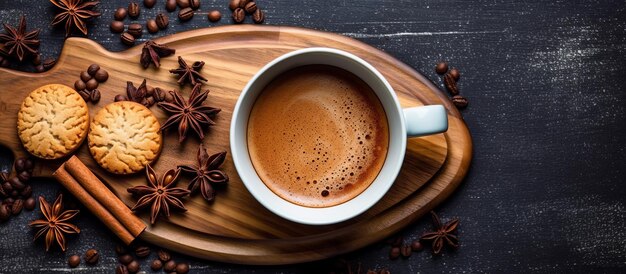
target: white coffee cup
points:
(403, 123)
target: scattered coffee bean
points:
(93, 68)
(120, 14)
(5, 63)
(85, 94)
(19, 164)
(258, 17)
(101, 76)
(182, 3)
(26, 192)
(29, 204)
(92, 256)
(243, 3)
(406, 251)
(185, 14)
(49, 63)
(149, 3)
(169, 266)
(85, 76)
(459, 101)
(156, 264)
(28, 165)
(152, 26)
(384, 271)
(120, 249)
(455, 73)
(416, 245)
(73, 261)
(135, 29)
(94, 96)
(239, 15)
(182, 268)
(133, 267)
(40, 68)
(37, 60)
(170, 5)
(164, 255)
(194, 4)
(121, 269)
(142, 251)
(162, 20)
(450, 84)
(149, 91)
(119, 98)
(23, 176)
(125, 259)
(117, 26)
(16, 183)
(127, 39)
(215, 15)
(6, 186)
(17, 206)
(250, 8)
(92, 84)
(15, 193)
(394, 253)
(441, 68)
(5, 212)
(133, 10)
(234, 4)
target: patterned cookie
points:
(124, 137)
(52, 121)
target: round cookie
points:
(124, 137)
(52, 121)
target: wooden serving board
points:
(236, 228)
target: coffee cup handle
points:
(425, 120)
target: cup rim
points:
(311, 215)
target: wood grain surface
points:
(233, 54)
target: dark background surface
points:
(545, 81)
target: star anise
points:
(189, 113)
(206, 173)
(159, 195)
(443, 234)
(74, 14)
(152, 53)
(136, 94)
(54, 224)
(188, 73)
(17, 42)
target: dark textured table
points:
(545, 81)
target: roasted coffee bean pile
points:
(15, 192)
(450, 79)
(87, 85)
(130, 263)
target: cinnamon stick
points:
(102, 194)
(92, 204)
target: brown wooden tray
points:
(236, 228)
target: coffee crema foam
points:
(317, 136)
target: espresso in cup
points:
(317, 136)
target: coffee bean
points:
(5, 212)
(441, 68)
(169, 266)
(194, 4)
(29, 204)
(7, 187)
(149, 91)
(40, 68)
(117, 26)
(85, 76)
(26, 192)
(127, 39)
(73, 261)
(159, 95)
(182, 268)
(185, 14)
(120, 249)
(243, 3)
(92, 256)
(416, 245)
(120, 14)
(48, 63)
(142, 251)
(234, 4)
(92, 84)
(394, 253)
(182, 3)
(37, 60)
(239, 15)
(8, 201)
(156, 264)
(19, 164)
(121, 269)
(250, 8)
(119, 98)
(16, 183)
(170, 5)
(164, 255)
(455, 73)
(23, 176)
(93, 68)
(85, 94)
(384, 271)
(149, 3)
(215, 15)
(162, 20)
(28, 165)
(15, 193)
(152, 26)
(17, 206)
(95, 96)
(258, 17)
(5, 63)
(135, 30)
(406, 251)
(460, 101)
(133, 267)
(126, 259)
(133, 10)
(101, 76)
(450, 84)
